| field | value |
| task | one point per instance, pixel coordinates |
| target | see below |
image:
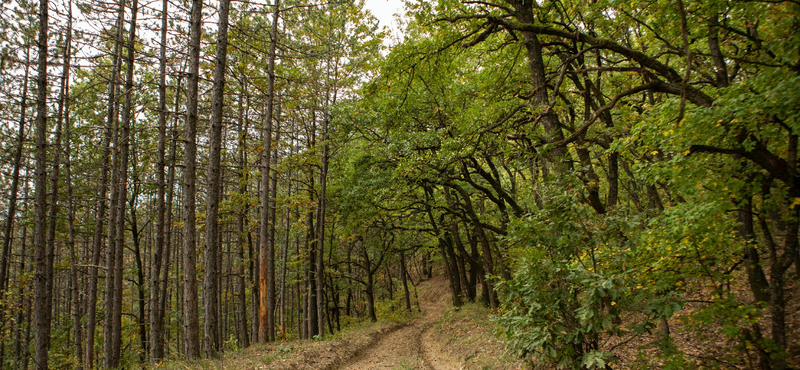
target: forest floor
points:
(445, 337)
(440, 338)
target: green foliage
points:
(394, 310)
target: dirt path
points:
(410, 347)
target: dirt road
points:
(410, 347)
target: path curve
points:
(409, 347)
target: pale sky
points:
(384, 10)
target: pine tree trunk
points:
(168, 232)
(156, 314)
(137, 254)
(23, 315)
(244, 339)
(320, 237)
(311, 307)
(212, 255)
(73, 269)
(113, 356)
(114, 204)
(100, 212)
(284, 252)
(266, 330)
(41, 294)
(191, 316)
(273, 189)
(12, 202)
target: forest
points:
(183, 179)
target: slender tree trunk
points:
(467, 284)
(12, 202)
(320, 237)
(191, 320)
(284, 255)
(114, 204)
(28, 318)
(486, 251)
(266, 330)
(156, 314)
(168, 242)
(254, 263)
(212, 256)
(405, 281)
(113, 356)
(73, 269)
(53, 207)
(41, 317)
(244, 340)
(756, 277)
(23, 315)
(100, 212)
(311, 308)
(370, 290)
(273, 189)
(137, 254)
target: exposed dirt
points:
(411, 346)
(436, 340)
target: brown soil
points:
(411, 346)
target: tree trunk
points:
(23, 315)
(191, 316)
(243, 338)
(137, 254)
(311, 308)
(524, 13)
(273, 193)
(320, 237)
(212, 256)
(284, 253)
(73, 268)
(44, 271)
(12, 202)
(403, 273)
(114, 204)
(156, 314)
(100, 212)
(162, 306)
(122, 192)
(266, 330)
(755, 273)
(370, 295)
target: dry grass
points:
(295, 354)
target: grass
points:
(468, 334)
(261, 356)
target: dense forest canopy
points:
(188, 178)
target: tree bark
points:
(266, 329)
(191, 316)
(212, 257)
(12, 202)
(524, 13)
(320, 237)
(405, 281)
(113, 360)
(73, 268)
(44, 271)
(243, 338)
(156, 314)
(114, 204)
(100, 212)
